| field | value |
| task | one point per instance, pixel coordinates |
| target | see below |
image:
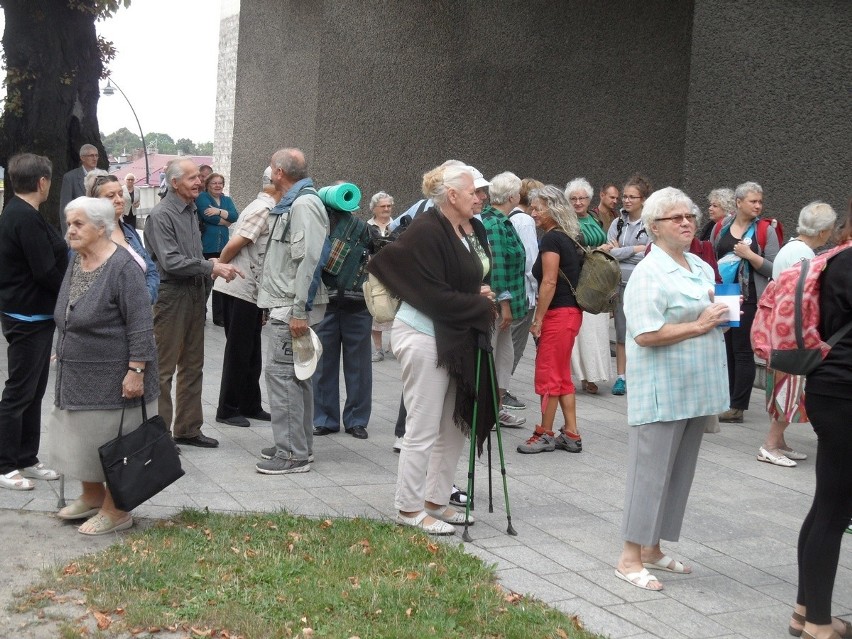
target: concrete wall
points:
(378, 92)
(769, 96)
(229, 31)
(697, 95)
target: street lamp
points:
(108, 90)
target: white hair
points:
(747, 187)
(378, 197)
(99, 211)
(439, 180)
(174, 171)
(724, 198)
(661, 202)
(815, 218)
(579, 184)
(504, 186)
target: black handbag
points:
(140, 464)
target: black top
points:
(33, 259)
(555, 241)
(834, 376)
(726, 245)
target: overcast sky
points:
(166, 64)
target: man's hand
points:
(225, 271)
(298, 327)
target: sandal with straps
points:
(798, 632)
(14, 481)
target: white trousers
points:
(433, 443)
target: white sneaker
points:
(397, 444)
(39, 471)
(508, 420)
(377, 356)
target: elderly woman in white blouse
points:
(676, 359)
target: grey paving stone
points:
(599, 619)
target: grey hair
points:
(89, 180)
(130, 175)
(815, 218)
(558, 208)
(661, 202)
(174, 171)
(504, 186)
(747, 187)
(579, 184)
(88, 148)
(292, 162)
(378, 197)
(724, 198)
(100, 212)
(439, 180)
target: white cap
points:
(307, 350)
(478, 180)
(267, 176)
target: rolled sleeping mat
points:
(343, 197)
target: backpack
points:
(345, 267)
(600, 277)
(785, 331)
(761, 233)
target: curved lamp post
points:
(109, 90)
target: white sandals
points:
(641, 579)
(39, 471)
(14, 481)
(456, 517)
(438, 527)
(775, 457)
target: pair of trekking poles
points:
(485, 351)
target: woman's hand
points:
(133, 385)
(535, 328)
(486, 291)
(712, 316)
(211, 211)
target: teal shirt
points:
(683, 380)
(593, 234)
(214, 233)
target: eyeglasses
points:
(678, 219)
(631, 197)
(579, 199)
(90, 155)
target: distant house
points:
(156, 164)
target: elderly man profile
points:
(72, 181)
(174, 241)
(299, 226)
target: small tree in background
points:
(54, 63)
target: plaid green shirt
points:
(508, 260)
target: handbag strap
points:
(124, 407)
(585, 252)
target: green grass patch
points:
(275, 575)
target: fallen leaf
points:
(561, 633)
(307, 633)
(431, 547)
(327, 523)
(153, 629)
(198, 632)
(104, 621)
(513, 597)
(356, 583)
(412, 575)
(408, 612)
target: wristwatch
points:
(136, 369)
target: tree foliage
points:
(122, 141)
(54, 60)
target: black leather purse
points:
(140, 464)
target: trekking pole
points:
(510, 529)
(471, 458)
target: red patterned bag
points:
(785, 332)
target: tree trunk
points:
(53, 66)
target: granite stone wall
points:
(693, 94)
(223, 139)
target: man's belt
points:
(193, 280)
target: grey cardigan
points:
(110, 325)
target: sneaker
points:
(507, 420)
(620, 387)
(458, 497)
(540, 442)
(511, 402)
(849, 528)
(281, 466)
(269, 453)
(563, 442)
(732, 416)
(397, 444)
(377, 356)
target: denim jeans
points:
(29, 349)
(291, 400)
(345, 330)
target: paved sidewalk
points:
(740, 531)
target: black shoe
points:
(319, 432)
(236, 420)
(261, 416)
(219, 322)
(202, 441)
(358, 432)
